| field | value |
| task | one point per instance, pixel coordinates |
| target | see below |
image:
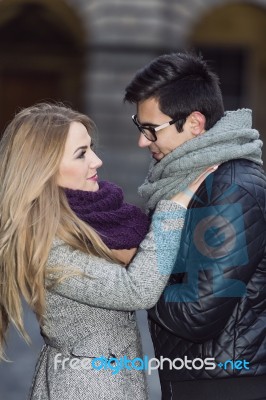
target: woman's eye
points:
(81, 155)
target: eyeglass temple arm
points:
(158, 128)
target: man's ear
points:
(197, 123)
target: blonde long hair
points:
(33, 209)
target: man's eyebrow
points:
(80, 148)
(147, 124)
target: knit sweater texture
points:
(120, 225)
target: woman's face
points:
(79, 164)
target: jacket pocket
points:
(115, 342)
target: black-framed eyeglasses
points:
(150, 131)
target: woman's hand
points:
(183, 198)
(125, 256)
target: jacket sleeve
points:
(112, 286)
(223, 244)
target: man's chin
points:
(157, 156)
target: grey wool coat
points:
(91, 317)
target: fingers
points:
(209, 170)
(204, 174)
(212, 168)
(185, 196)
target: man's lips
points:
(155, 154)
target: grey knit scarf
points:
(230, 138)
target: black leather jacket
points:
(215, 303)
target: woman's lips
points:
(93, 178)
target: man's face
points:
(168, 139)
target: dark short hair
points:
(182, 83)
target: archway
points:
(42, 55)
(232, 36)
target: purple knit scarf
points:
(120, 225)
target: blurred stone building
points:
(84, 52)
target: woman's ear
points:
(197, 123)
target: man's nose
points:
(143, 141)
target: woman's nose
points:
(96, 162)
